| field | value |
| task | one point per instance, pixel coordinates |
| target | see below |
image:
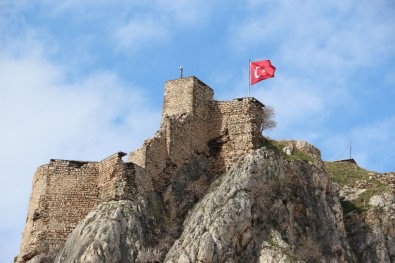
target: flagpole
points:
(249, 76)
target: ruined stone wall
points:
(185, 95)
(117, 179)
(152, 157)
(193, 122)
(185, 129)
(239, 123)
(138, 156)
(243, 119)
(178, 97)
(64, 192)
(72, 194)
(34, 233)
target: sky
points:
(82, 80)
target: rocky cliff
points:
(208, 187)
(280, 203)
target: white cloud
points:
(373, 144)
(45, 116)
(292, 104)
(142, 32)
(186, 12)
(159, 22)
(318, 34)
(126, 26)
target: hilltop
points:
(208, 187)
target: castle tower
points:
(193, 122)
(187, 95)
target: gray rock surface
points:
(117, 231)
(265, 209)
(372, 234)
(385, 199)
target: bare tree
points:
(268, 122)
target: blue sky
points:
(83, 79)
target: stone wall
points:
(239, 123)
(186, 95)
(152, 157)
(34, 233)
(193, 122)
(64, 192)
(187, 129)
(117, 180)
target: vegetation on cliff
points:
(349, 174)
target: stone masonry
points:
(64, 191)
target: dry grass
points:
(345, 173)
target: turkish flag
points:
(261, 70)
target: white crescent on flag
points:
(256, 72)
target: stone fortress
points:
(65, 191)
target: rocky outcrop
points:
(371, 233)
(268, 208)
(301, 146)
(116, 231)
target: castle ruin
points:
(65, 191)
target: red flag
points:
(261, 70)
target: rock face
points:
(267, 208)
(371, 233)
(115, 232)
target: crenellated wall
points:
(64, 192)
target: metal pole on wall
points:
(249, 77)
